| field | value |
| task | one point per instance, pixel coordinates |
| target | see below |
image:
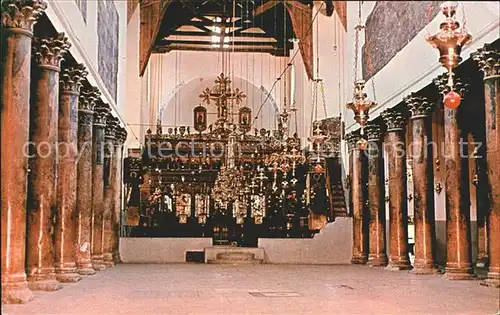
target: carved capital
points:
(88, 97)
(459, 86)
(21, 14)
(373, 131)
(49, 51)
(101, 111)
(488, 60)
(111, 127)
(393, 119)
(71, 78)
(121, 136)
(352, 138)
(419, 106)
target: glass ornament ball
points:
(452, 100)
(318, 168)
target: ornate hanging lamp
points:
(360, 104)
(450, 41)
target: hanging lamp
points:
(450, 40)
(361, 104)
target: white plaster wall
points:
(179, 108)
(160, 250)
(67, 18)
(333, 245)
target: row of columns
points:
(60, 203)
(367, 185)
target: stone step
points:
(235, 262)
(235, 256)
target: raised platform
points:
(332, 245)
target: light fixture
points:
(360, 104)
(450, 41)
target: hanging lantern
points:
(450, 41)
(245, 116)
(200, 118)
(361, 105)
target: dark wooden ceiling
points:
(259, 26)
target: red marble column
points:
(420, 109)
(117, 212)
(65, 229)
(42, 182)
(360, 236)
(84, 180)
(100, 113)
(18, 18)
(488, 59)
(458, 241)
(109, 186)
(398, 205)
(376, 225)
(482, 202)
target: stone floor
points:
(262, 289)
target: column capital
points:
(101, 111)
(121, 136)
(71, 78)
(394, 119)
(49, 51)
(373, 131)
(419, 106)
(459, 85)
(21, 15)
(111, 127)
(488, 60)
(88, 97)
(352, 138)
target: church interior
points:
(250, 157)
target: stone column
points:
(109, 186)
(100, 113)
(488, 59)
(420, 109)
(458, 242)
(117, 213)
(359, 236)
(65, 233)
(398, 205)
(42, 181)
(84, 180)
(376, 206)
(18, 18)
(482, 201)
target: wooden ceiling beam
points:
(171, 47)
(265, 7)
(152, 12)
(207, 42)
(192, 33)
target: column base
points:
(359, 260)
(98, 263)
(108, 260)
(68, 277)
(86, 271)
(16, 293)
(399, 265)
(425, 270)
(493, 280)
(459, 273)
(378, 261)
(44, 285)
